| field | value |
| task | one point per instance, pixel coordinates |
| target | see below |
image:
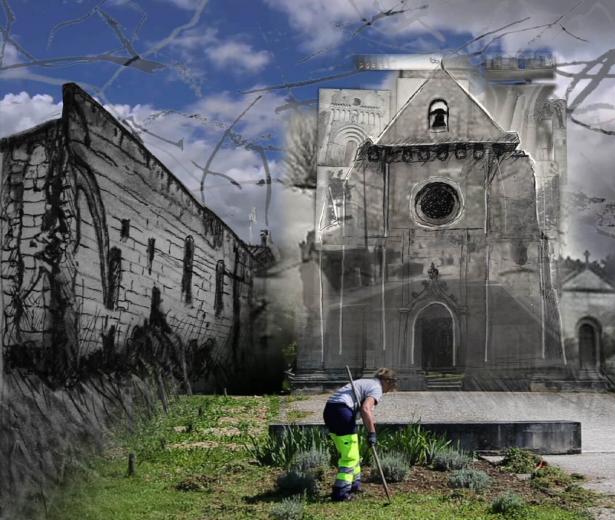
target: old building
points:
(588, 316)
(438, 229)
(99, 238)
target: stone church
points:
(438, 229)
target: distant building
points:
(99, 238)
(438, 229)
(588, 316)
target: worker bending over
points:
(340, 418)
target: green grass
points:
(192, 465)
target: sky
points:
(180, 72)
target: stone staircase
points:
(443, 381)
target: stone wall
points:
(100, 238)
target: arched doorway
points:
(434, 335)
(589, 343)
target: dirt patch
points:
(229, 421)
(230, 431)
(196, 483)
(196, 445)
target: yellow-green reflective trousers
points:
(348, 469)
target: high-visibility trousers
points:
(348, 476)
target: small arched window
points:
(187, 272)
(438, 115)
(114, 281)
(218, 297)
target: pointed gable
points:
(587, 281)
(442, 111)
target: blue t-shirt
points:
(365, 388)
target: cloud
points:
(239, 55)
(23, 111)
(232, 55)
(329, 23)
(196, 39)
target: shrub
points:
(414, 443)
(314, 461)
(550, 477)
(510, 505)
(517, 460)
(394, 467)
(288, 509)
(448, 459)
(280, 450)
(473, 479)
(297, 483)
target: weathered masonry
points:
(99, 238)
(438, 228)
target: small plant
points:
(194, 483)
(394, 467)
(517, 460)
(280, 450)
(575, 494)
(288, 509)
(414, 443)
(510, 505)
(314, 461)
(295, 482)
(473, 479)
(551, 477)
(449, 459)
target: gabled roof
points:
(468, 121)
(587, 281)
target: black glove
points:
(371, 438)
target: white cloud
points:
(327, 23)
(23, 111)
(239, 55)
(231, 54)
(196, 39)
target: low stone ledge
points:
(490, 437)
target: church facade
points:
(437, 234)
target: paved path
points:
(596, 412)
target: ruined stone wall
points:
(100, 238)
(34, 207)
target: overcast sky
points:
(198, 58)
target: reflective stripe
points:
(343, 477)
(343, 469)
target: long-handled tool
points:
(374, 453)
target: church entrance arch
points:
(434, 337)
(589, 343)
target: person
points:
(340, 418)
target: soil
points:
(428, 481)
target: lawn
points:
(192, 464)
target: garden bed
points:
(199, 462)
